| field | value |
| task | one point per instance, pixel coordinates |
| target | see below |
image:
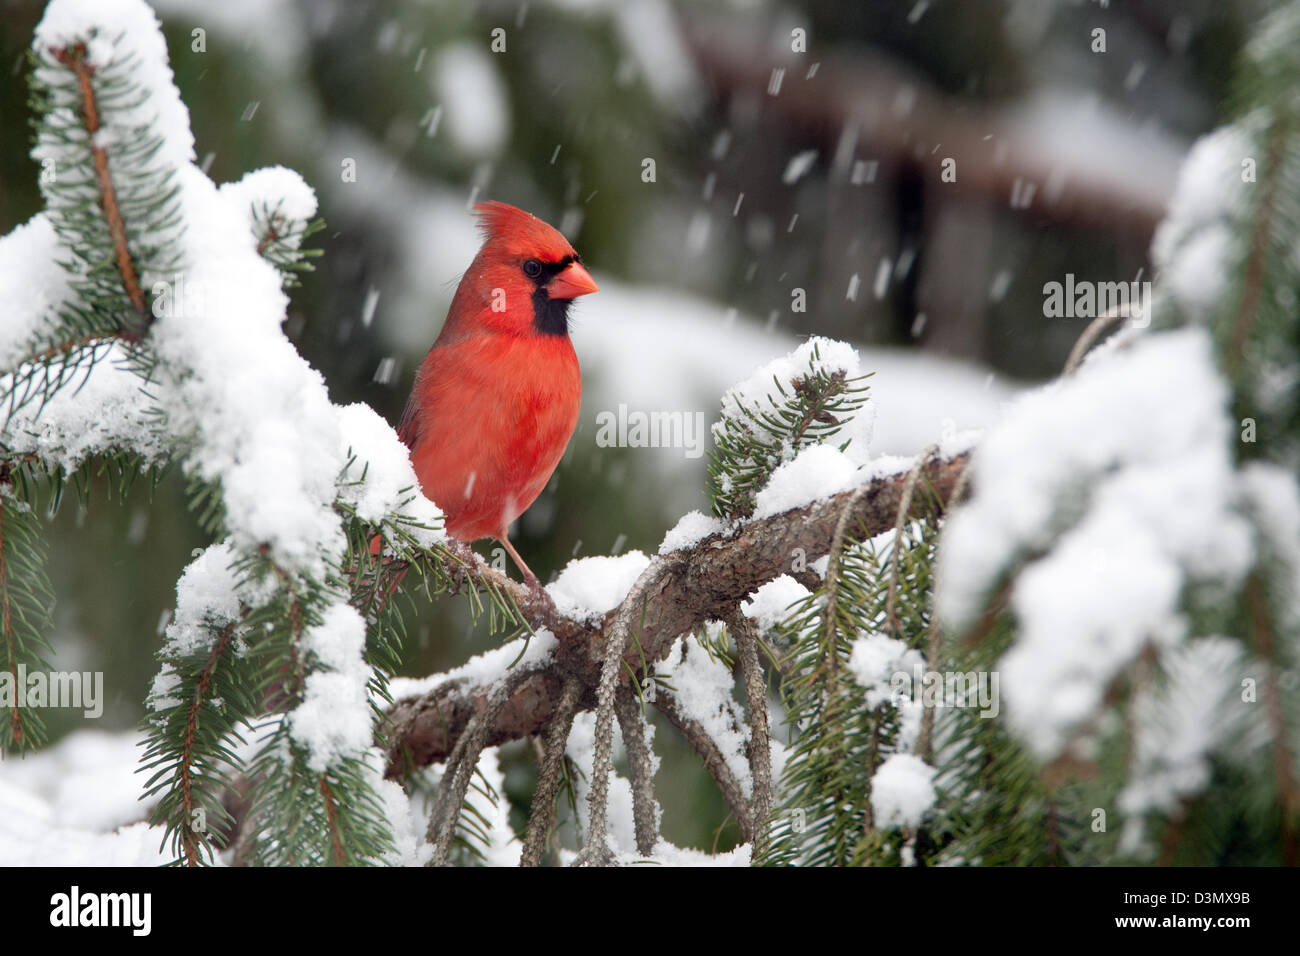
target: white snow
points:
(1181, 723)
(33, 285)
(817, 472)
(482, 669)
(30, 836)
(207, 598)
(406, 817)
(390, 486)
(1132, 495)
(693, 527)
(116, 31)
(771, 384)
(771, 603)
(1192, 247)
(263, 421)
(275, 190)
(874, 661)
(704, 692)
(798, 167)
(334, 722)
(887, 466)
(588, 587)
(902, 790)
(620, 823)
(87, 781)
(78, 803)
(162, 694)
(665, 854)
(1074, 640)
(100, 407)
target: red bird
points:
(495, 401)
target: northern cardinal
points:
(495, 401)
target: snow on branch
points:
(1106, 514)
(148, 307)
(685, 588)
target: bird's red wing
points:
(488, 422)
(408, 429)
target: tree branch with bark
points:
(682, 590)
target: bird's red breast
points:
(496, 399)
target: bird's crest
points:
(515, 231)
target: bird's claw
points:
(539, 593)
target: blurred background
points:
(718, 164)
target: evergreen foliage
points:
(761, 433)
(842, 735)
(251, 654)
(221, 711)
(25, 603)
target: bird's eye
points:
(532, 268)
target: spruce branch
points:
(895, 554)
(760, 740)
(88, 341)
(456, 778)
(706, 748)
(280, 240)
(190, 840)
(542, 818)
(306, 809)
(1093, 333)
(1258, 258)
(640, 763)
(835, 570)
(596, 851)
(199, 703)
(304, 814)
(681, 591)
(1288, 790)
(74, 58)
(339, 854)
(26, 600)
(758, 433)
(1164, 733)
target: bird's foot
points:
(539, 594)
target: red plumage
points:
(496, 400)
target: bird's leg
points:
(529, 578)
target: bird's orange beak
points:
(570, 282)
